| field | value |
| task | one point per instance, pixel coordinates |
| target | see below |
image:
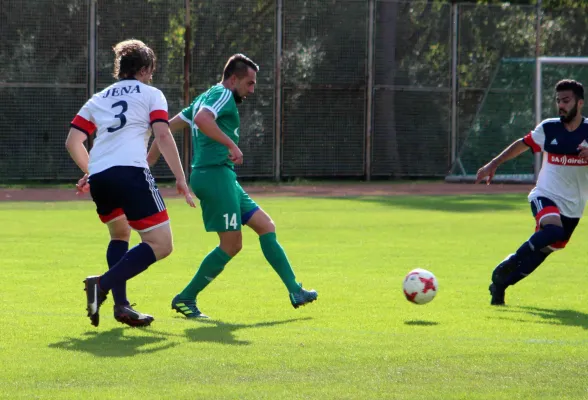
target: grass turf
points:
(360, 340)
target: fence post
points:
(278, 93)
(91, 56)
(454, 88)
(369, 90)
(537, 159)
(187, 63)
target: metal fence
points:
(364, 88)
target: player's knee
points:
(161, 242)
(271, 225)
(237, 248)
(121, 234)
(557, 232)
(558, 235)
(165, 249)
(119, 230)
(232, 244)
(161, 249)
(262, 223)
(232, 249)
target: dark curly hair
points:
(570, 84)
(130, 56)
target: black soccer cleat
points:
(94, 298)
(303, 297)
(503, 270)
(497, 294)
(125, 314)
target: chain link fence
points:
(43, 83)
(346, 88)
(412, 100)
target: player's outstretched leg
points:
(512, 270)
(521, 264)
(126, 314)
(275, 255)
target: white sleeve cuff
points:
(212, 110)
(183, 117)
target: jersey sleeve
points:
(218, 101)
(83, 120)
(158, 108)
(535, 139)
(186, 113)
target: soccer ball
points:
(420, 286)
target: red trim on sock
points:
(559, 245)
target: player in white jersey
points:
(117, 175)
(558, 199)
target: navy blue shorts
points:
(131, 192)
(542, 207)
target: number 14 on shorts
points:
(230, 221)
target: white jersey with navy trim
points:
(564, 175)
(121, 115)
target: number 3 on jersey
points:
(123, 119)
(232, 222)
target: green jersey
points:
(220, 101)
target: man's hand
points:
(183, 189)
(235, 155)
(487, 171)
(83, 186)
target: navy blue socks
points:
(135, 261)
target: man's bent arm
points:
(207, 125)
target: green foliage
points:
(45, 44)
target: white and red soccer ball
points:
(420, 286)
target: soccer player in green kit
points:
(214, 120)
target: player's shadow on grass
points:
(459, 204)
(554, 317)
(220, 332)
(114, 343)
(419, 322)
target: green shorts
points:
(225, 205)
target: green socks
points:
(212, 265)
(274, 254)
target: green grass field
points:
(360, 340)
